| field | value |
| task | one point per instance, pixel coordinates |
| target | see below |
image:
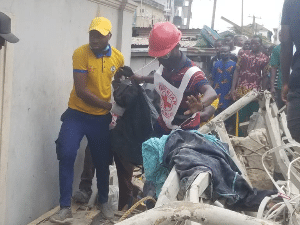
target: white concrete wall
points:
(139, 62)
(144, 19)
(49, 32)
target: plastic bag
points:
(113, 197)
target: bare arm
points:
(207, 113)
(286, 56)
(80, 82)
(209, 95)
(197, 104)
(141, 79)
(265, 81)
(234, 82)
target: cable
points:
(276, 212)
(287, 203)
(145, 65)
(289, 175)
(273, 181)
(127, 213)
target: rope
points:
(145, 65)
(127, 213)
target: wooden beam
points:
(230, 22)
(45, 216)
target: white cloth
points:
(116, 109)
(236, 50)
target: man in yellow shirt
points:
(88, 114)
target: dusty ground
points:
(84, 215)
(89, 216)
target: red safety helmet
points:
(163, 37)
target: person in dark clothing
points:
(178, 81)
(290, 34)
(124, 173)
(276, 75)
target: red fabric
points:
(193, 88)
(251, 67)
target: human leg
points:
(88, 172)
(125, 172)
(67, 144)
(87, 175)
(98, 137)
(278, 99)
(293, 114)
(99, 143)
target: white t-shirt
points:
(236, 50)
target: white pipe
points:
(242, 102)
(196, 212)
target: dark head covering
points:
(5, 29)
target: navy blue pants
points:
(293, 113)
(96, 128)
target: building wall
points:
(147, 15)
(141, 61)
(263, 33)
(37, 94)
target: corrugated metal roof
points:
(139, 41)
(145, 41)
(144, 31)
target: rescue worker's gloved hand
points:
(124, 71)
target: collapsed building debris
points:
(273, 149)
(284, 151)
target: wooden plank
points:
(44, 216)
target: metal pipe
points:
(213, 16)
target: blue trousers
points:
(293, 113)
(96, 128)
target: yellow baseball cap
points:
(101, 24)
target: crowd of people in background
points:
(239, 66)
